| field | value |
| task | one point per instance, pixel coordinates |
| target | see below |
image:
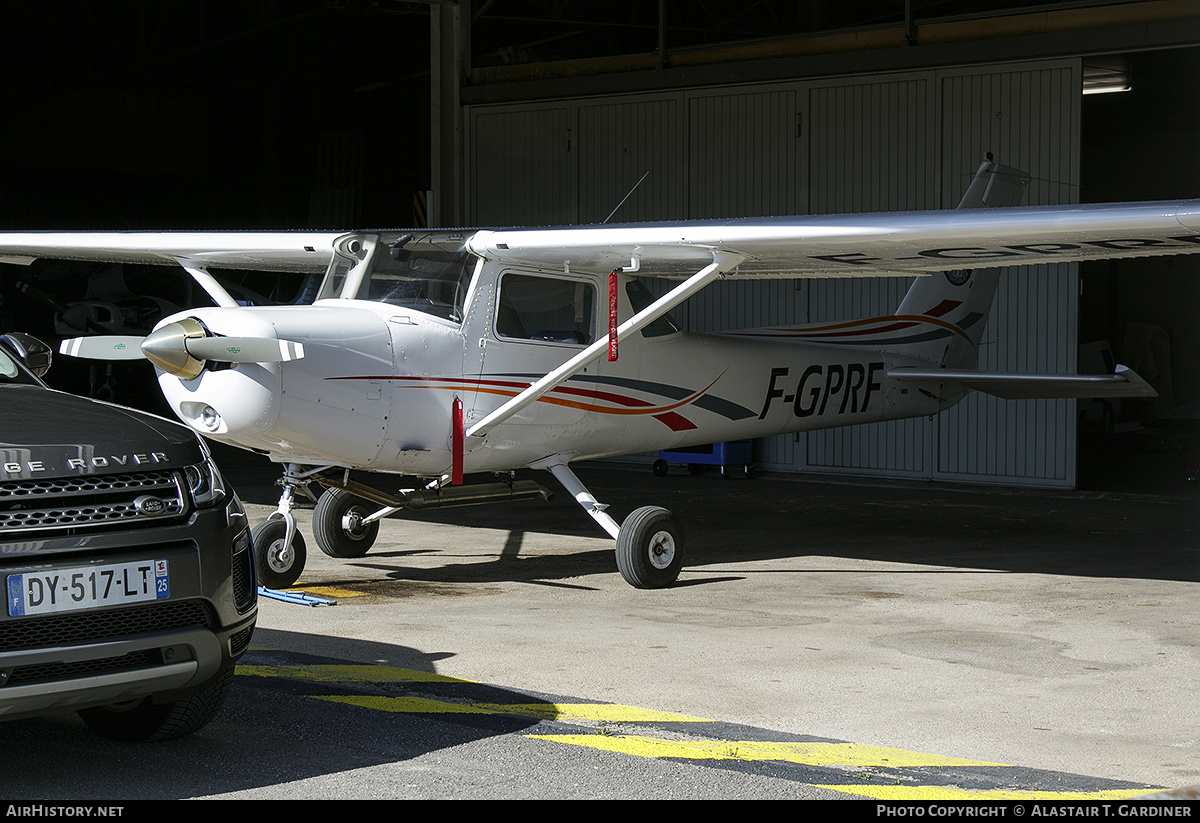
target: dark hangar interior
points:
(344, 113)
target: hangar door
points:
(883, 143)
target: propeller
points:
(103, 347)
(180, 348)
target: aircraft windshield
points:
(432, 282)
(426, 277)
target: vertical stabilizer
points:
(950, 308)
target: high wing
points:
(196, 252)
(860, 245)
(856, 245)
(297, 251)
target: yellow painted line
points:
(405, 705)
(829, 754)
(347, 674)
(640, 746)
(603, 712)
(542, 711)
(807, 754)
(952, 793)
(326, 591)
(594, 711)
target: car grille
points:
(72, 505)
(51, 672)
(105, 624)
(99, 626)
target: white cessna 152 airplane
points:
(438, 353)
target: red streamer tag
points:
(612, 317)
(456, 439)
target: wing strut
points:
(722, 262)
(207, 282)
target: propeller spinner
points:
(181, 348)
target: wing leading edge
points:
(856, 245)
(862, 245)
(297, 251)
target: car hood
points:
(48, 433)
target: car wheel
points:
(144, 720)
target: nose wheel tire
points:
(338, 527)
(277, 564)
(650, 548)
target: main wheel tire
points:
(276, 565)
(650, 548)
(337, 525)
(142, 720)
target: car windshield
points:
(12, 372)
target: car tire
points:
(142, 720)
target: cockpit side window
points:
(547, 309)
(640, 298)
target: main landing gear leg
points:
(279, 550)
(649, 543)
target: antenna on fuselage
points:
(626, 197)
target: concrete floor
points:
(1052, 630)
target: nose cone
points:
(166, 348)
(234, 404)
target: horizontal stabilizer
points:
(1123, 383)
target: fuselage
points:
(380, 376)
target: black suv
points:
(126, 560)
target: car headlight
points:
(204, 481)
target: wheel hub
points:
(662, 549)
(352, 525)
(280, 557)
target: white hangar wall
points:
(887, 142)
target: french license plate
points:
(87, 587)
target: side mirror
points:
(35, 354)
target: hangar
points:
(540, 112)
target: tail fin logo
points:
(958, 277)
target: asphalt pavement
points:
(1050, 630)
(825, 639)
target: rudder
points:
(949, 309)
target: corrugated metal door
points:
(896, 142)
(873, 148)
(622, 141)
(746, 158)
(522, 167)
(1029, 117)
